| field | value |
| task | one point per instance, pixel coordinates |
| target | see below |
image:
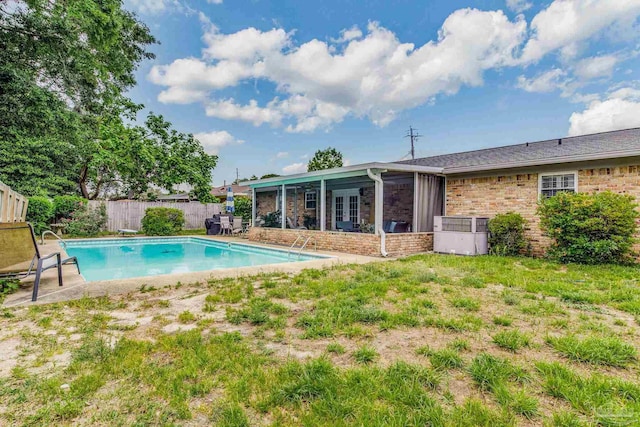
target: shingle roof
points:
(237, 189)
(599, 145)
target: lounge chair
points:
(290, 224)
(225, 225)
(20, 257)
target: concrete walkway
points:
(76, 287)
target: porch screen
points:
(430, 198)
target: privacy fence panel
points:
(129, 214)
(13, 206)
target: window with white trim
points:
(552, 184)
(310, 200)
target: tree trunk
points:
(83, 182)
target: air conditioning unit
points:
(461, 235)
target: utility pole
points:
(413, 135)
(237, 176)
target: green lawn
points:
(427, 340)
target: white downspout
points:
(383, 243)
(378, 206)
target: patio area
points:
(372, 209)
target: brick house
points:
(393, 204)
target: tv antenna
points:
(413, 135)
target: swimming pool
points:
(108, 259)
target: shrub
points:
(39, 213)
(506, 234)
(243, 207)
(65, 206)
(162, 221)
(594, 228)
(8, 286)
(86, 221)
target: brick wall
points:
(353, 243)
(408, 243)
(488, 196)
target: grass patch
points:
(335, 348)
(490, 372)
(502, 321)
(365, 354)
(512, 340)
(607, 400)
(468, 304)
(445, 359)
(611, 351)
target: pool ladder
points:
(44, 233)
(304, 245)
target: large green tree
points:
(65, 122)
(325, 159)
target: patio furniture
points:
(20, 257)
(237, 225)
(225, 225)
(347, 226)
(292, 226)
(212, 225)
(127, 232)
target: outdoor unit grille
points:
(462, 235)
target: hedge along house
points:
(396, 202)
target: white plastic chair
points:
(225, 225)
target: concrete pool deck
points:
(76, 287)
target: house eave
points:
(342, 172)
(542, 162)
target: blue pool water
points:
(107, 259)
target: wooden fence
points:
(129, 214)
(13, 206)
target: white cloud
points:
(565, 24)
(151, 7)
(595, 67)
(214, 141)
(214, 1)
(348, 35)
(518, 6)
(282, 155)
(545, 82)
(295, 168)
(228, 109)
(191, 79)
(621, 110)
(249, 44)
(373, 76)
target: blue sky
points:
(265, 84)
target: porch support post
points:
(283, 207)
(379, 208)
(253, 207)
(414, 226)
(323, 205)
(379, 212)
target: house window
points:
(552, 184)
(310, 200)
